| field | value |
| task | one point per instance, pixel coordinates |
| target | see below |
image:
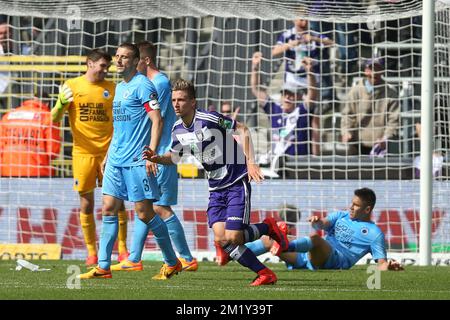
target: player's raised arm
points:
(254, 171)
(255, 83)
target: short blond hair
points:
(186, 86)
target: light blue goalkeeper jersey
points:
(164, 89)
(132, 126)
(354, 238)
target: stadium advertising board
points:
(46, 211)
(30, 251)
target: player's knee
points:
(145, 215)
(234, 238)
(267, 242)
(144, 211)
(315, 239)
(163, 211)
(86, 203)
(107, 209)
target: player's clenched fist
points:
(147, 153)
(150, 165)
(256, 59)
(316, 222)
(395, 266)
(65, 94)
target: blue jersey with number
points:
(354, 238)
(164, 90)
(132, 126)
(209, 139)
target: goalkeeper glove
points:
(65, 96)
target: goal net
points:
(352, 133)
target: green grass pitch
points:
(231, 282)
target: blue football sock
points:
(253, 232)
(257, 247)
(178, 237)
(110, 225)
(244, 256)
(140, 233)
(162, 237)
(300, 245)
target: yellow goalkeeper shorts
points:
(87, 173)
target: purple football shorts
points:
(231, 205)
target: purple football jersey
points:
(295, 55)
(209, 139)
(291, 127)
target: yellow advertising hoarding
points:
(30, 251)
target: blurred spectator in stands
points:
(5, 36)
(441, 132)
(30, 36)
(227, 110)
(370, 116)
(438, 158)
(290, 119)
(297, 43)
(348, 51)
(5, 47)
(345, 39)
(401, 62)
(28, 141)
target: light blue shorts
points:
(336, 260)
(130, 183)
(302, 262)
(167, 178)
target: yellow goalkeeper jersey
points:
(90, 115)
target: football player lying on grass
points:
(350, 235)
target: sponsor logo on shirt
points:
(226, 124)
(193, 137)
(120, 114)
(194, 148)
(106, 94)
(199, 134)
